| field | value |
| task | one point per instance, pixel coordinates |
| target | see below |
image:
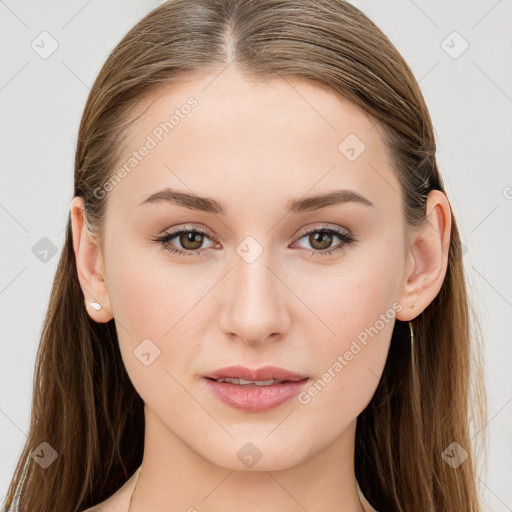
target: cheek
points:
(155, 312)
(358, 308)
(150, 294)
(355, 295)
(160, 319)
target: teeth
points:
(244, 382)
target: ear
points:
(427, 258)
(89, 264)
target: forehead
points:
(275, 139)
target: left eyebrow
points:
(335, 197)
(210, 205)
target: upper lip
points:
(264, 373)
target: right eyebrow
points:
(179, 198)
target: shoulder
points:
(115, 503)
(107, 506)
(366, 504)
(120, 500)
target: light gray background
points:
(470, 101)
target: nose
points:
(254, 301)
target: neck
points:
(174, 475)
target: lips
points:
(249, 396)
(262, 374)
(275, 387)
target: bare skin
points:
(254, 148)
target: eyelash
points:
(345, 238)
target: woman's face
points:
(262, 290)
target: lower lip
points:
(253, 398)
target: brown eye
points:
(320, 240)
(185, 242)
(191, 240)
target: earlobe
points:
(89, 263)
(427, 259)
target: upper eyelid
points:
(203, 230)
(208, 232)
(343, 234)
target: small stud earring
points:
(95, 305)
(414, 305)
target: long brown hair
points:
(84, 405)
